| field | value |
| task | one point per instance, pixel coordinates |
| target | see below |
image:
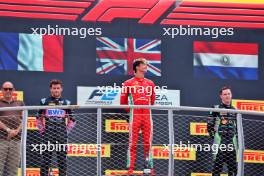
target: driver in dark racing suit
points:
(222, 128)
(54, 124)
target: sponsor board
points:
(94, 96)
(17, 95)
(205, 174)
(32, 123)
(198, 129)
(121, 172)
(116, 126)
(89, 150)
(254, 156)
(249, 105)
(161, 152)
(36, 172)
(101, 96)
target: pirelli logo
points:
(198, 129)
(17, 95)
(249, 105)
(36, 172)
(32, 123)
(121, 172)
(116, 126)
(89, 150)
(254, 156)
(161, 152)
(205, 174)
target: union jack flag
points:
(115, 56)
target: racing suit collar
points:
(53, 98)
(226, 106)
(139, 79)
(57, 101)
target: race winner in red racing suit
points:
(54, 124)
(139, 91)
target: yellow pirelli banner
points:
(162, 152)
(36, 172)
(198, 129)
(249, 105)
(17, 95)
(32, 123)
(89, 150)
(121, 172)
(116, 126)
(205, 174)
(254, 156)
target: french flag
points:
(30, 52)
(225, 60)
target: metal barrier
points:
(93, 132)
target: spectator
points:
(10, 132)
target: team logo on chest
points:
(55, 113)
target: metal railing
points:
(169, 109)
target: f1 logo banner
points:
(105, 10)
(147, 11)
(215, 13)
(111, 96)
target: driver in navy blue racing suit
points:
(54, 124)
